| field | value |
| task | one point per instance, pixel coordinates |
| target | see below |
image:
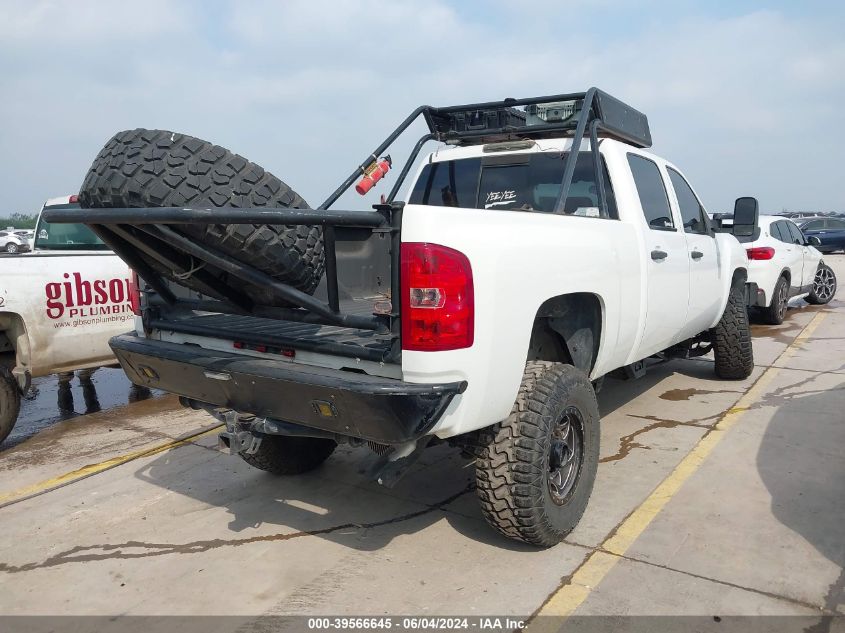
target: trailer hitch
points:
(238, 442)
(244, 434)
(238, 437)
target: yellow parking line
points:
(599, 563)
(92, 469)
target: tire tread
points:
(510, 468)
(159, 168)
(10, 403)
(732, 348)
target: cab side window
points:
(692, 213)
(815, 225)
(652, 193)
(774, 229)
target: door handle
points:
(658, 255)
(696, 255)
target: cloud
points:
(68, 23)
(744, 104)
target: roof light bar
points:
(537, 117)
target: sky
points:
(746, 98)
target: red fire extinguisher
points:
(373, 173)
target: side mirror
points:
(814, 241)
(746, 215)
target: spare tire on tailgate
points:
(157, 168)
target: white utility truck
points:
(540, 249)
(59, 306)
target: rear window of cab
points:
(521, 182)
(66, 237)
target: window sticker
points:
(496, 198)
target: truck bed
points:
(289, 335)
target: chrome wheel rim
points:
(783, 299)
(566, 455)
(11, 248)
(824, 284)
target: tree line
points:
(18, 220)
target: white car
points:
(11, 242)
(785, 265)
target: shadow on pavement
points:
(801, 464)
(340, 503)
(337, 501)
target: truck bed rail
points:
(148, 240)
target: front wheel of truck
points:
(536, 469)
(282, 455)
(731, 337)
(10, 403)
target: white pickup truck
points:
(539, 250)
(59, 305)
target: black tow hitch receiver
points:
(237, 442)
(238, 437)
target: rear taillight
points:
(438, 306)
(134, 293)
(760, 252)
(73, 199)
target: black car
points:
(831, 232)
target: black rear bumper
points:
(384, 410)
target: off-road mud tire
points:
(10, 403)
(158, 168)
(513, 464)
(731, 337)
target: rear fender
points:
(576, 321)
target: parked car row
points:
(802, 215)
(829, 230)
